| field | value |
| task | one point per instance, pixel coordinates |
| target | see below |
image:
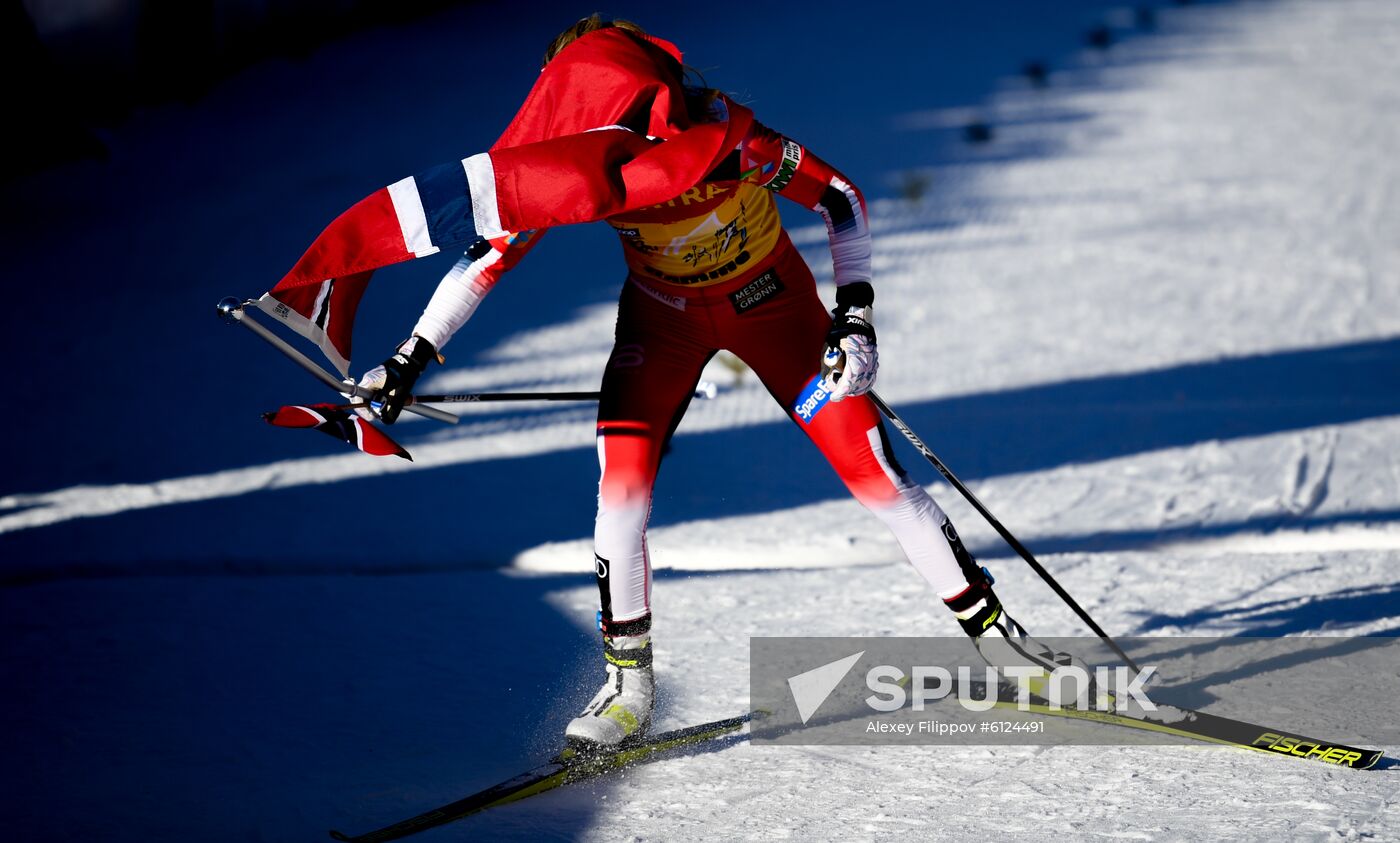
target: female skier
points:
(710, 267)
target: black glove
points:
(848, 318)
(393, 380)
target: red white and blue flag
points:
(603, 131)
(336, 421)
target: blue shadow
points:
(1347, 606)
(481, 514)
(271, 708)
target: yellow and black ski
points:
(1211, 728)
(567, 767)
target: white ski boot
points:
(1003, 643)
(621, 711)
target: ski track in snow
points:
(1210, 206)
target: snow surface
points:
(1155, 324)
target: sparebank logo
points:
(811, 689)
(813, 398)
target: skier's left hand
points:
(850, 359)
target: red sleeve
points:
(783, 165)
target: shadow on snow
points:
(482, 514)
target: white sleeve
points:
(457, 297)
(848, 231)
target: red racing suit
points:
(713, 269)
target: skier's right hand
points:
(850, 359)
(392, 381)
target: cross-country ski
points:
(1211, 728)
(568, 767)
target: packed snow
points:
(1154, 323)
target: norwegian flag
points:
(336, 421)
(604, 130)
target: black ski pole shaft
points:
(475, 397)
(997, 525)
(703, 390)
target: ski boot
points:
(1003, 643)
(621, 711)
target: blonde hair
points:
(699, 97)
(592, 23)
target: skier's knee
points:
(623, 490)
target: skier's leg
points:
(655, 363)
(647, 385)
(853, 439)
(929, 539)
(782, 340)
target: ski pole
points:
(1005, 533)
(703, 389)
(481, 397)
(231, 309)
(478, 397)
